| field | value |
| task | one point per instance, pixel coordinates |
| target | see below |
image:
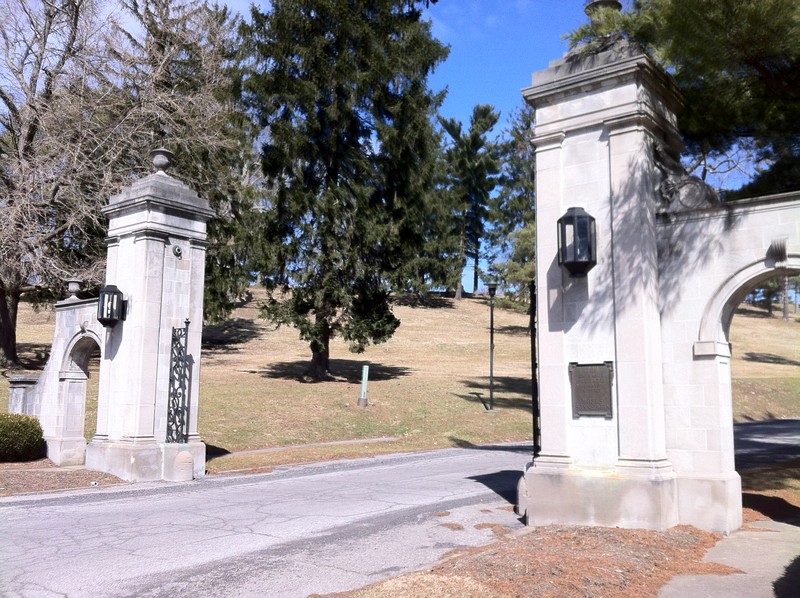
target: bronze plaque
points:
(591, 388)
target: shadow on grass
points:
(774, 507)
(512, 330)
(342, 370)
(479, 392)
(226, 335)
(752, 312)
(425, 301)
(769, 358)
(33, 356)
(215, 452)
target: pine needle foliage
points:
(340, 89)
(737, 64)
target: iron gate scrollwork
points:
(178, 402)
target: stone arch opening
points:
(718, 315)
(73, 383)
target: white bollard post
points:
(362, 401)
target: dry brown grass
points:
(428, 385)
(765, 365)
(427, 388)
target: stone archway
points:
(57, 396)
(156, 253)
(717, 317)
(634, 369)
(72, 384)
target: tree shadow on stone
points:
(769, 358)
(226, 335)
(503, 385)
(342, 370)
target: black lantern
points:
(492, 286)
(577, 242)
(110, 306)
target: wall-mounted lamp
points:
(110, 306)
(577, 242)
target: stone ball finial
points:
(592, 7)
(162, 158)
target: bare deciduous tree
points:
(82, 102)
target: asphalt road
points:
(764, 442)
(296, 531)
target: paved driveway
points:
(297, 531)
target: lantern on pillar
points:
(577, 242)
(110, 306)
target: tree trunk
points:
(475, 276)
(459, 290)
(9, 302)
(320, 353)
(785, 297)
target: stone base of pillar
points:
(66, 451)
(711, 502)
(147, 461)
(184, 462)
(641, 497)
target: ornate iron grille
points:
(178, 404)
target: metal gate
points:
(178, 403)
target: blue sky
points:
(495, 46)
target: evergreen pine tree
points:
(340, 87)
(513, 214)
(473, 168)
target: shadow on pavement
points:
(526, 448)
(786, 586)
(503, 483)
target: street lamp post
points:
(492, 286)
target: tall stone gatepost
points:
(599, 117)
(150, 367)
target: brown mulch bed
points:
(43, 476)
(573, 561)
(561, 561)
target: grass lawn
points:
(428, 386)
(765, 365)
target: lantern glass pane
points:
(569, 238)
(583, 241)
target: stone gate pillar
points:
(156, 257)
(598, 116)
